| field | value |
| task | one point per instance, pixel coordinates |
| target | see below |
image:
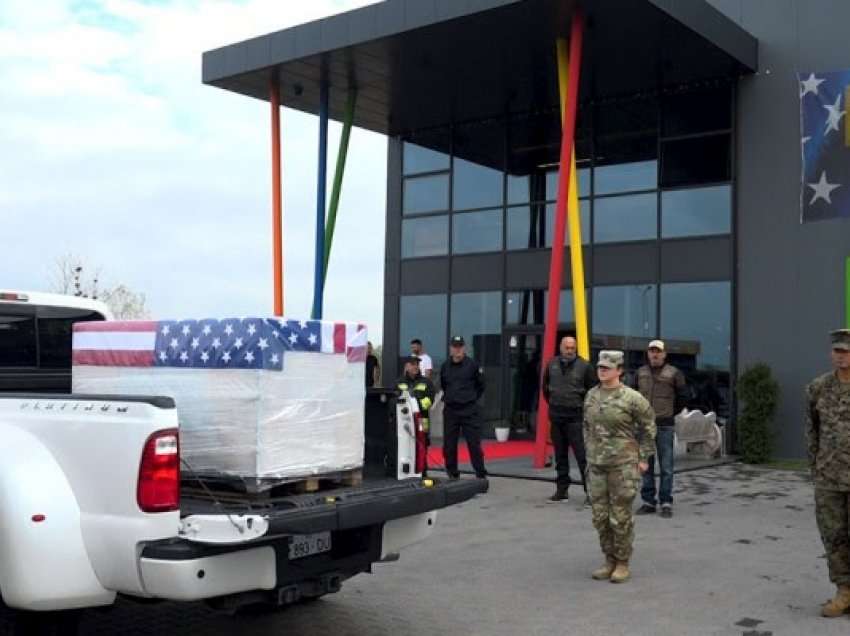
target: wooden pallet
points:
(227, 488)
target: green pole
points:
(847, 292)
(340, 170)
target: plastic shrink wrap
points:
(263, 399)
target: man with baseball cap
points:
(462, 381)
(828, 445)
(663, 385)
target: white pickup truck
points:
(93, 505)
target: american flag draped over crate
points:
(233, 343)
(257, 398)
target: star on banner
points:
(823, 189)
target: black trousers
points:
(467, 418)
(567, 432)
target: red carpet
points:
(492, 450)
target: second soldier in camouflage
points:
(619, 433)
(828, 438)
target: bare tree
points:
(71, 276)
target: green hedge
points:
(759, 394)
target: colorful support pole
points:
(277, 196)
(574, 221)
(348, 121)
(321, 192)
(557, 261)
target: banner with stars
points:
(825, 141)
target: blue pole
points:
(321, 192)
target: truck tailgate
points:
(375, 502)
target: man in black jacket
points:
(462, 381)
(566, 380)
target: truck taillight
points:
(159, 473)
(421, 444)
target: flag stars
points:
(249, 356)
(228, 329)
(174, 343)
(252, 329)
(196, 342)
(293, 338)
(184, 357)
(263, 344)
(833, 119)
(238, 344)
(823, 189)
(165, 330)
(205, 357)
(216, 343)
(811, 85)
(186, 330)
(313, 339)
(163, 356)
(275, 359)
(207, 330)
(226, 357)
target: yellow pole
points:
(574, 219)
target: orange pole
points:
(277, 196)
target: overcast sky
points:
(113, 150)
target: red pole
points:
(557, 262)
(277, 198)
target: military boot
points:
(621, 573)
(840, 604)
(604, 573)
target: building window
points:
(477, 232)
(696, 212)
(696, 160)
(700, 314)
(697, 112)
(426, 194)
(525, 307)
(424, 317)
(623, 312)
(475, 186)
(477, 316)
(529, 307)
(418, 159)
(626, 177)
(696, 323)
(584, 213)
(625, 218)
(425, 237)
(552, 184)
(525, 229)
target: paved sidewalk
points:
(741, 557)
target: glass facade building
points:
(656, 188)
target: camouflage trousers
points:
(832, 508)
(612, 492)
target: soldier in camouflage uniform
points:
(828, 438)
(619, 433)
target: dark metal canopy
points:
(419, 64)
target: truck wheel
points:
(45, 623)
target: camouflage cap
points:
(840, 339)
(610, 359)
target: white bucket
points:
(502, 434)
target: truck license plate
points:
(304, 545)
